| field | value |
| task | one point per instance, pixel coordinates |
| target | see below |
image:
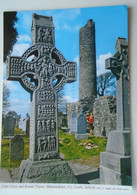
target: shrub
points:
(66, 141)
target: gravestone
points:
(9, 124)
(17, 148)
(43, 77)
(70, 108)
(23, 124)
(73, 123)
(81, 127)
(28, 127)
(115, 164)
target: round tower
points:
(87, 70)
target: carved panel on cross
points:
(46, 126)
(46, 143)
(46, 110)
(44, 95)
(44, 35)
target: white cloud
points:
(70, 99)
(20, 102)
(101, 63)
(62, 16)
(24, 38)
(70, 28)
(77, 27)
(76, 59)
(11, 85)
(20, 106)
(67, 27)
(19, 49)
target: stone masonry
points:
(104, 112)
(87, 72)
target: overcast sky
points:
(110, 23)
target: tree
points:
(106, 84)
(10, 32)
(6, 95)
(61, 101)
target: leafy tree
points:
(106, 84)
(10, 32)
(6, 95)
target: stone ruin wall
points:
(104, 112)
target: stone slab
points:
(9, 124)
(47, 171)
(119, 142)
(110, 177)
(17, 148)
(81, 124)
(73, 122)
(72, 132)
(118, 163)
(81, 136)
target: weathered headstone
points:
(17, 148)
(9, 124)
(23, 124)
(70, 108)
(43, 77)
(81, 127)
(28, 127)
(73, 123)
(115, 165)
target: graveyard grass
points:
(68, 146)
(73, 149)
(5, 160)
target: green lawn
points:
(73, 149)
(5, 160)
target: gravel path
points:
(85, 174)
(4, 176)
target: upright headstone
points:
(28, 127)
(43, 77)
(115, 165)
(70, 108)
(17, 148)
(73, 123)
(9, 124)
(81, 127)
(23, 124)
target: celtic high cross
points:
(42, 76)
(118, 64)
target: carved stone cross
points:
(42, 76)
(118, 64)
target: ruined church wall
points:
(104, 112)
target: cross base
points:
(119, 142)
(114, 169)
(115, 163)
(49, 171)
